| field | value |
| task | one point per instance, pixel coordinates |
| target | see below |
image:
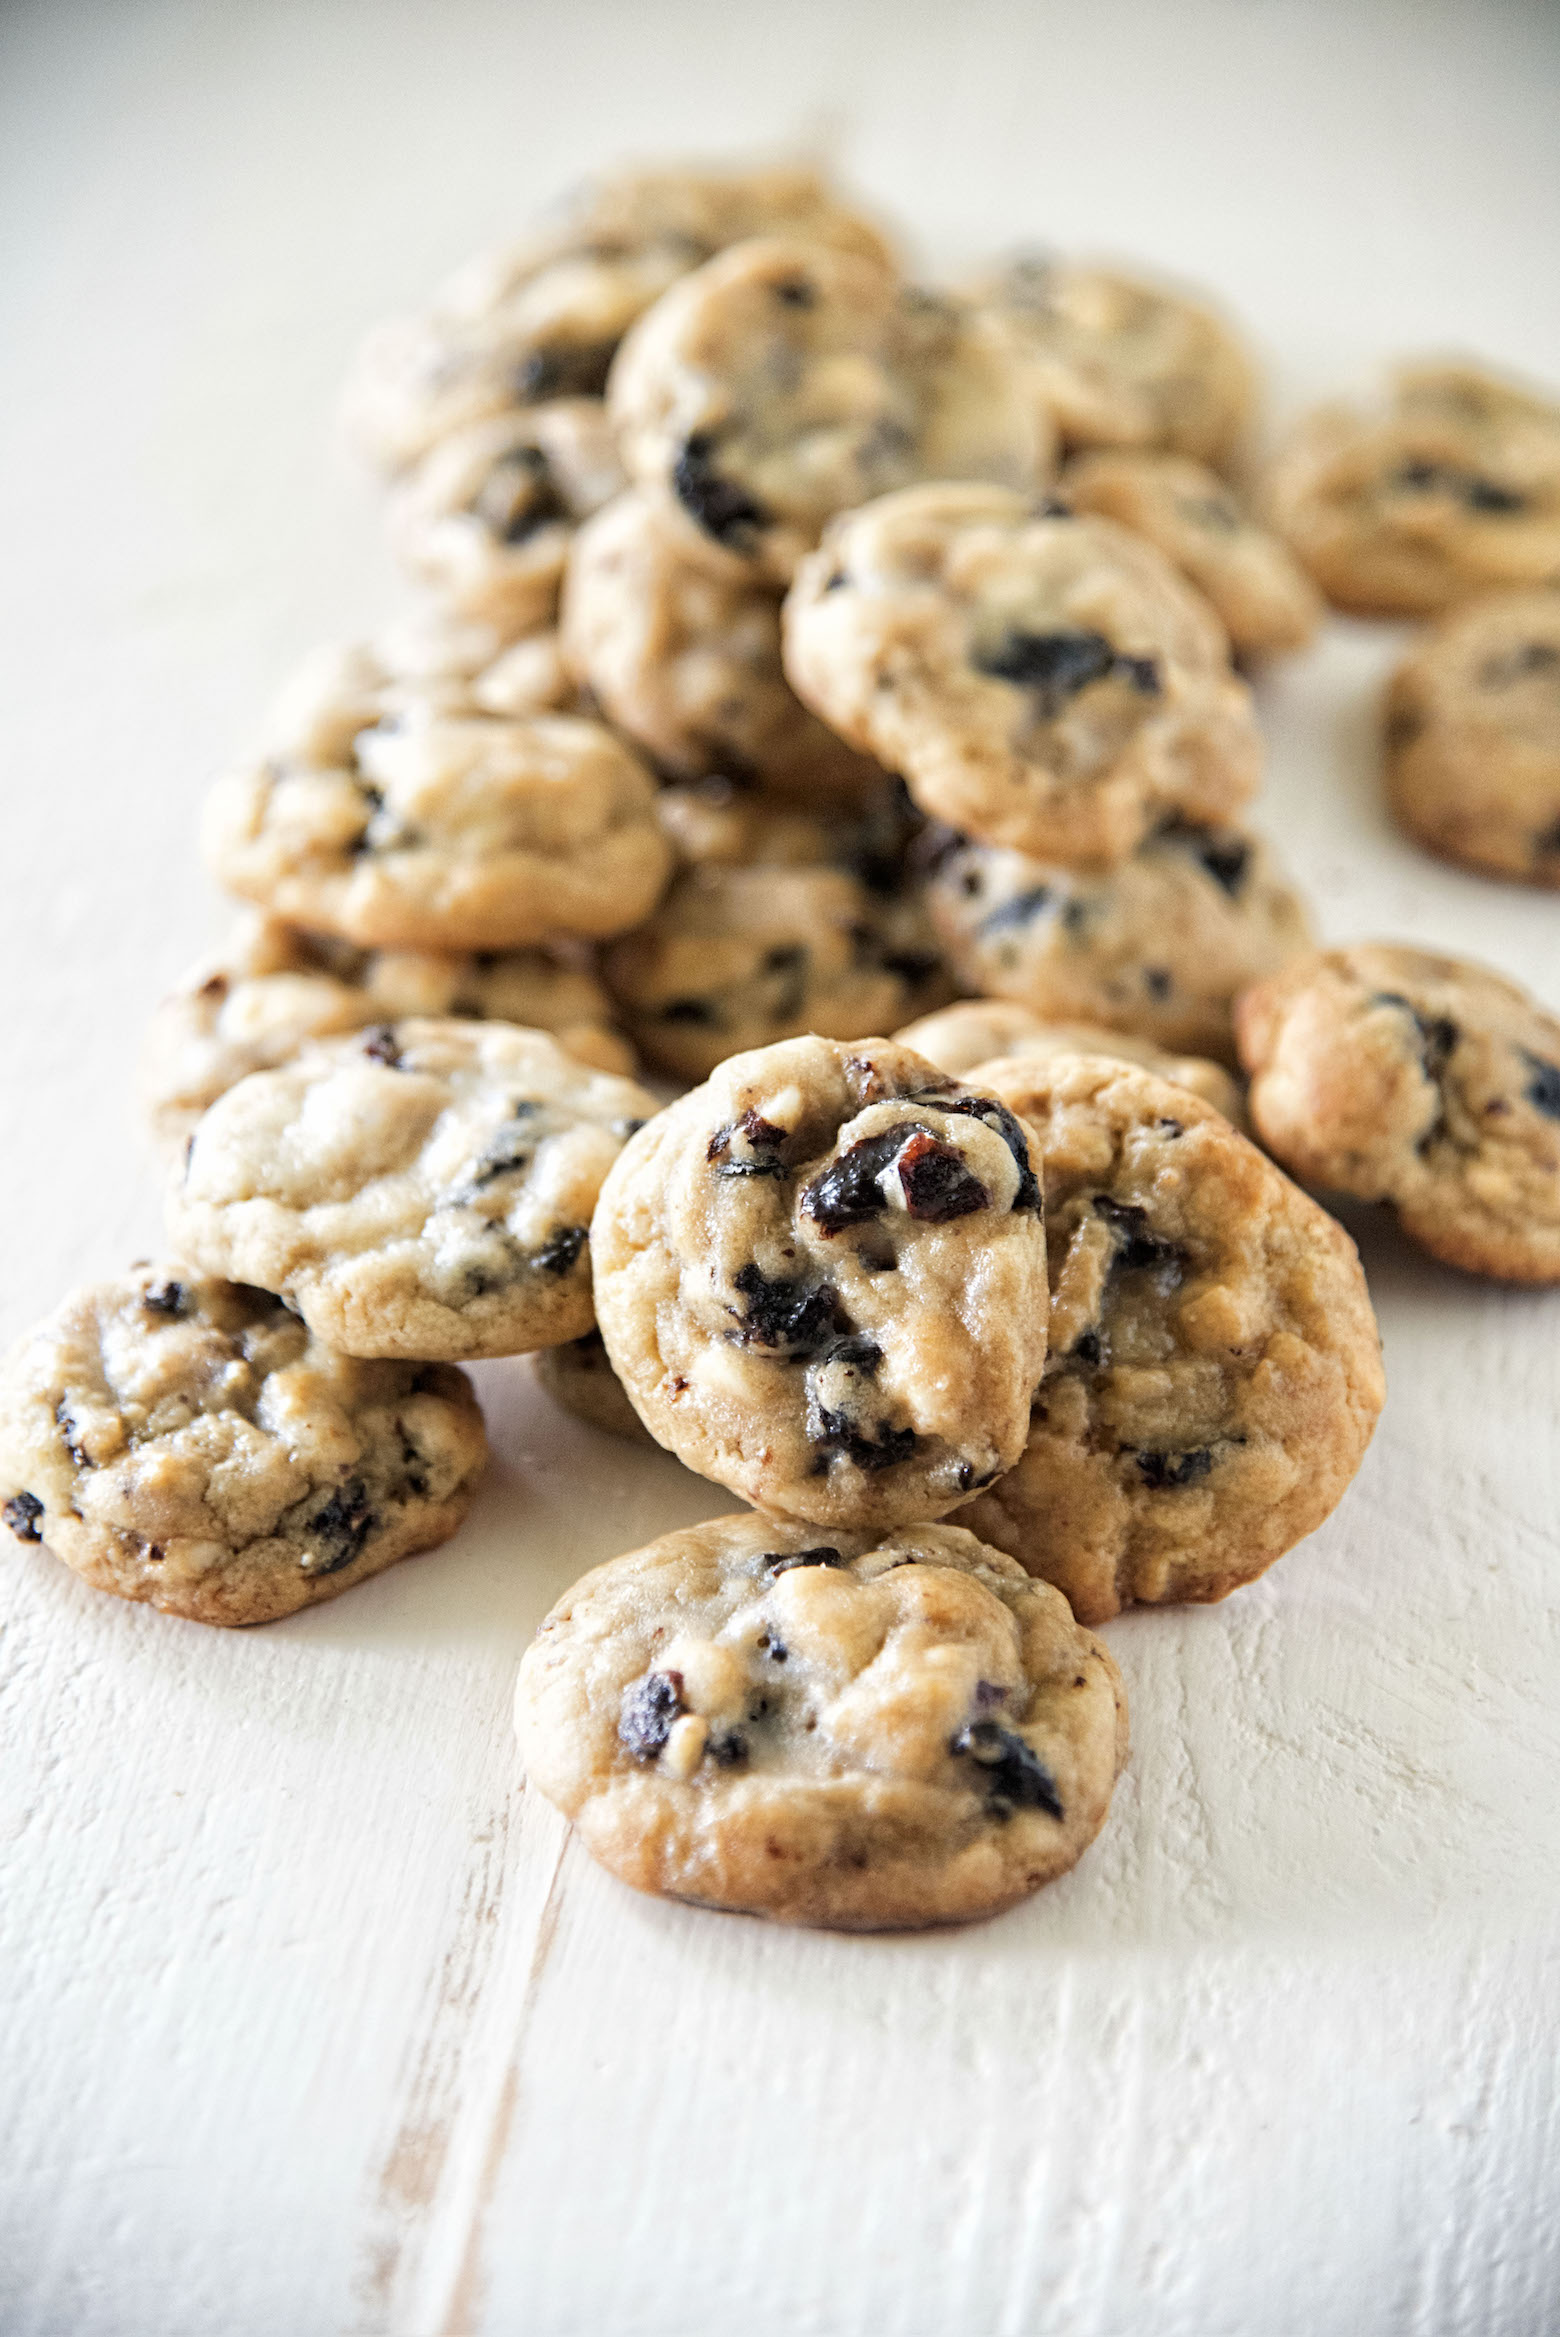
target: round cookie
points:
(1044, 682)
(687, 664)
(1448, 487)
(486, 520)
(448, 832)
(870, 1734)
(1250, 578)
(737, 957)
(821, 1279)
(1473, 738)
(541, 319)
(188, 1442)
(1419, 1080)
(960, 1038)
(1157, 946)
(782, 383)
(273, 987)
(424, 1188)
(1214, 1371)
(1120, 362)
(578, 1375)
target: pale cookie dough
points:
(874, 1733)
(273, 987)
(736, 825)
(1214, 1371)
(781, 384)
(448, 832)
(1422, 1081)
(736, 957)
(821, 1279)
(1473, 738)
(424, 1188)
(960, 1038)
(1120, 362)
(486, 521)
(688, 664)
(1157, 946)
(1041, 681)
(1260, 593)
(1449, 487)
(578, 1375)
(542, 318)
(188, 1442)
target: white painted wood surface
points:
(314, 2020)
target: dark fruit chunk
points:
(379, 1044)
(781, 1563)
(847, 1192)
(340, 1528)
(729, 1750)
(21, 1514)
(1056, 666)
(689, 1010)
(561, 1249)
(1438, 1034)
(167, 1298)
(1166, 1471)
(1543, 1089)
(1136, 1246)
(937, 1185)
(838, 1435)
(722, 508)
(792, 1318)
(647, 1711)
(1016, 1777)
(1022, 909)
(1226, 858)
(796, 292)
(996, 1116)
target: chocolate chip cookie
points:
(447, 831)
(1450, 486)
(423, 1188)
(1419, 1080)
(688, 664)
(273, 987)
(782, 383)
(190, 1443)
(1121, 362)
(1157, 946)
(870, 1734)
(486, 520)
(1045, 682)
(960, 1038)
(821, 1279)
(1214, 1371)
(1251, 579)
(1473, 737)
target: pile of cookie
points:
(799, 656)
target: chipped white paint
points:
(315, 2021)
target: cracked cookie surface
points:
(781, 384)
(422, 1189)
(1214, 1372)
(1157, 946)
(1473, 737)
(1420, 1080)
(1045, 682)
(821, 1279)
(1448, 487)
(868, 1734)
(188, 1442)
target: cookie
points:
(578, 1375)
(448, 832)
(273, 987)
(1044, 682)
(782, 383)
(474, 665)
(737, 957)
(1473, 738)
(486, 520)
(1157, 946)
(960, 1038)
(188, 1442)
(870, 1734)
(541, 318)
(1214, 1371)
(1448, 487)
(1250, 578)
(688, 664)
(1419, 1080)
(422, 1189)
(821, 1279)
(1118, 362)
